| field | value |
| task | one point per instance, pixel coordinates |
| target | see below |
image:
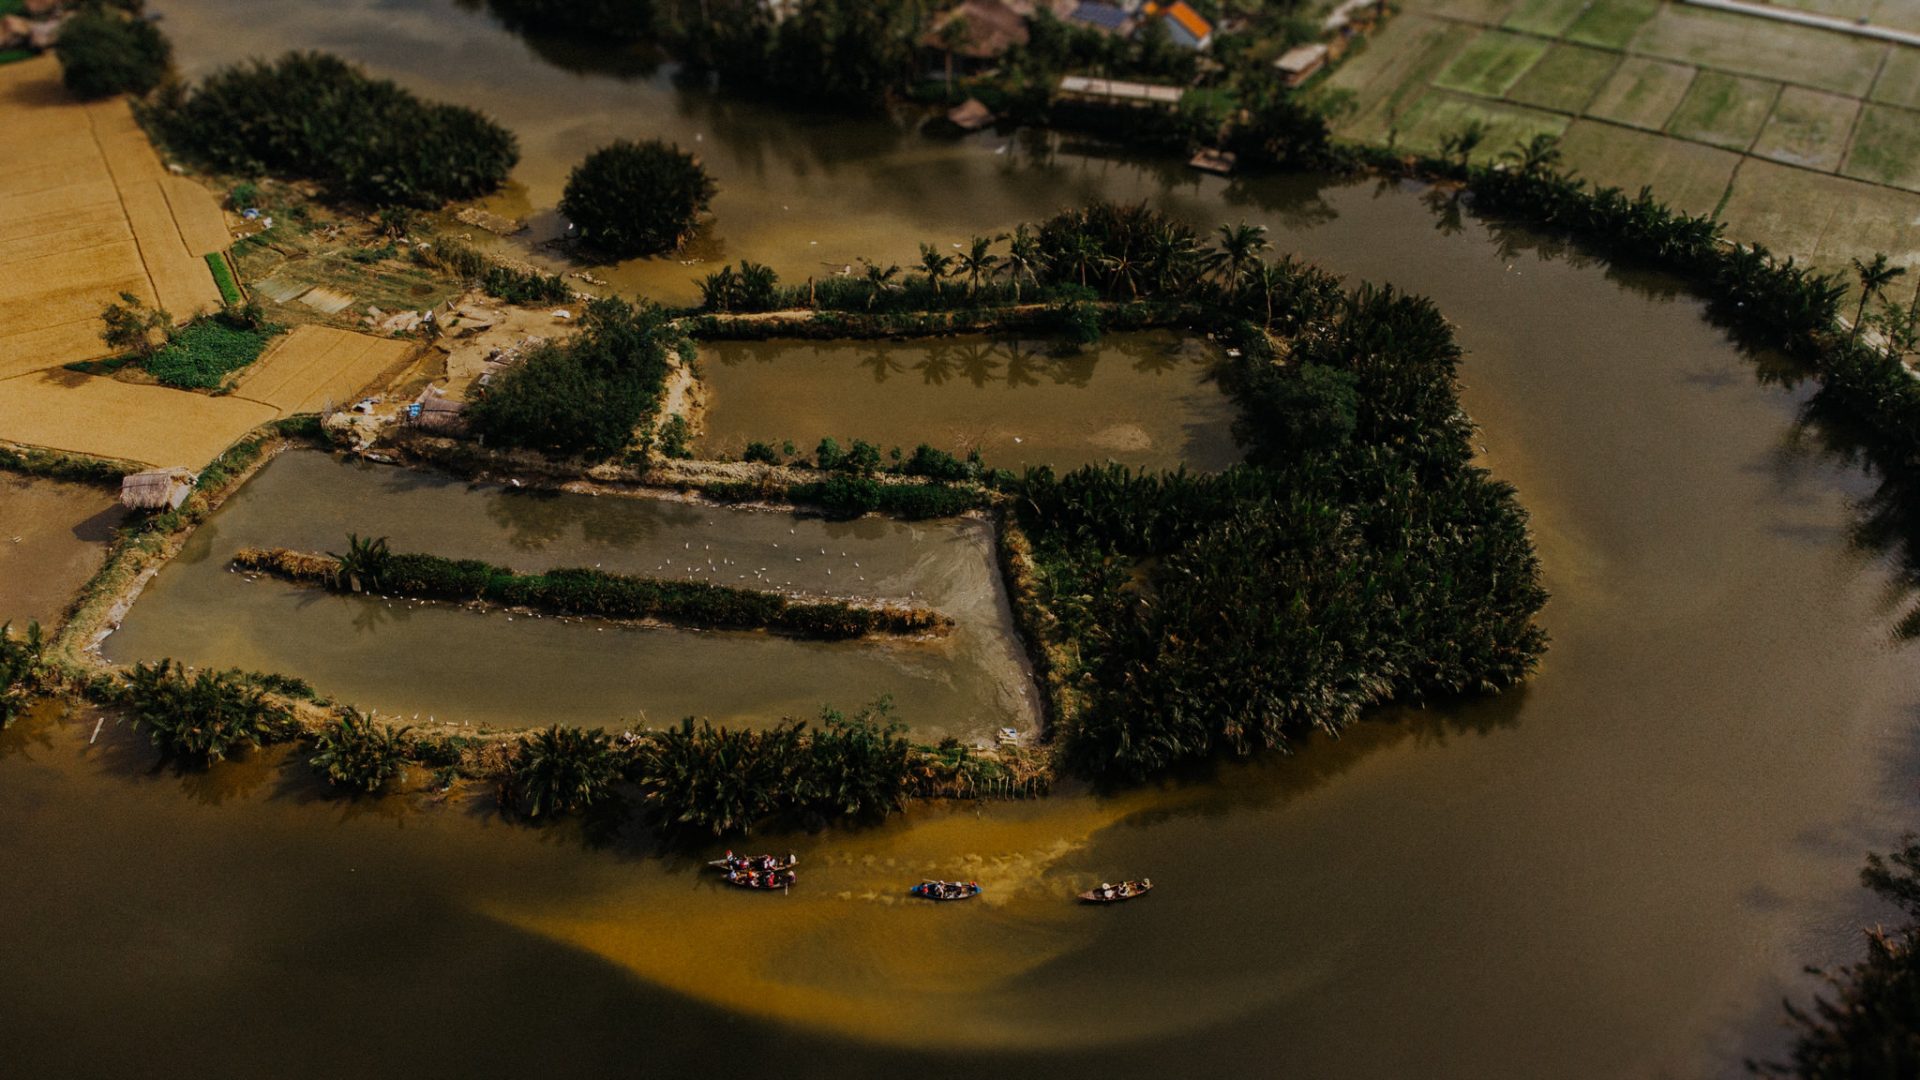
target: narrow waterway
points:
(1142, 399)
(1614, 872)
(502, 671)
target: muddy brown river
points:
(1616, 871)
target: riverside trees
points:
(629, 199)
(316, 116)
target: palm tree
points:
(977, 262)
(1240, 246)
(561, 770)
(1123, 268)
(1464, 142)
(936, 264)
(1173, 258)
(1874, 276)
(1078, 254)
(879, 281)
(1268, 278)
(1537, 155)
(1023, 258)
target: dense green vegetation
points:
(717, 780)
(21, 668)
(104, 52)
(201, 354)
(561, 771)
(589, 394)
(223, 278)
(629, 199)
(1867, 1020)
(316, 116)
(205, 716)
(369, 566)
(1358, 557)
(357, 753)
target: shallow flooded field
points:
(53, 536)
(1143, 399)
(514, 672)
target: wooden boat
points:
(1113, 894)
(767, 881)
(947, 890)
(730, 862)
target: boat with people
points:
(764, 880)
(947, 890)
(730, 863)
(1113, 894)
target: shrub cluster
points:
(629, 199)
(588, 394)
(718, 780)
(20, 668)
(512, 284)
(205, 716)
(105, 52)
(852, 496)
(357, 753)
(562, 771)
(371, 566)
(316, 116)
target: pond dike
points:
(586, 593)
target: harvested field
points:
(90, 414)
(1548, 18)
(1899, 81)
(1808, 128)
(1642, 93)
(1821, 219)
(318, 366)
(1391, 73)
(1492, 63)
(1565, 79)
(54, 537)
(1610, 24)
(1439, 114)
(1886, 147)
(1775, 50)
(1686, 175)
(1484, 12)
(86, 212)
(1725, 110)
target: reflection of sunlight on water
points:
(849, 952)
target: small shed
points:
(433, 410)
(157, 489)
(1299, 64)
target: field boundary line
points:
(1807, 18)
(93, 132)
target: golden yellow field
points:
(87, 212)
(93, 414)
(317, 367)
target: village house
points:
(1299, 63)
(1184, 25)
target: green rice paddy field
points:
(1803, 139)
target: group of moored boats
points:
(770, 872)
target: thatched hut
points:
(157, 489)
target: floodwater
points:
(53, 536)
(1616, 871)
(1142, 399)
(503, 671)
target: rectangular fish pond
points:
(1146, 399)
(513, 671)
